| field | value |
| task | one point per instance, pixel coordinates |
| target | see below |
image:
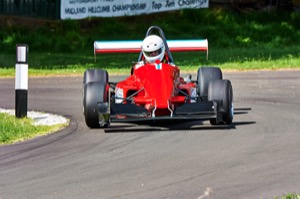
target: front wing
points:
(190, 111)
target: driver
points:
(153, 48)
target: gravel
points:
(40, 118)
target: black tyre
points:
(204, 76)
(94, 92)
(95, 75)
(222, 90)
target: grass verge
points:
(57, 64)
(14, 130)
(289, 196)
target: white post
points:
(21, 81)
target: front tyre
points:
(222, 90)
(93, 94)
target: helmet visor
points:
(153, 53)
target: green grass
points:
(289, 196)
(14, 130)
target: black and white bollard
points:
(21, 81)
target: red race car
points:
(155, 91)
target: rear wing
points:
(135, 46)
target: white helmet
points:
(153, 48)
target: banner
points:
(79, 9)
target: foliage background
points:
(234, 35)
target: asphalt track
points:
(258, 156)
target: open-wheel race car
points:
(155, 91)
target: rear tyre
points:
(204, 76)
(95, 75)
(222, 90)
(93, 93)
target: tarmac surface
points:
(258, 156)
